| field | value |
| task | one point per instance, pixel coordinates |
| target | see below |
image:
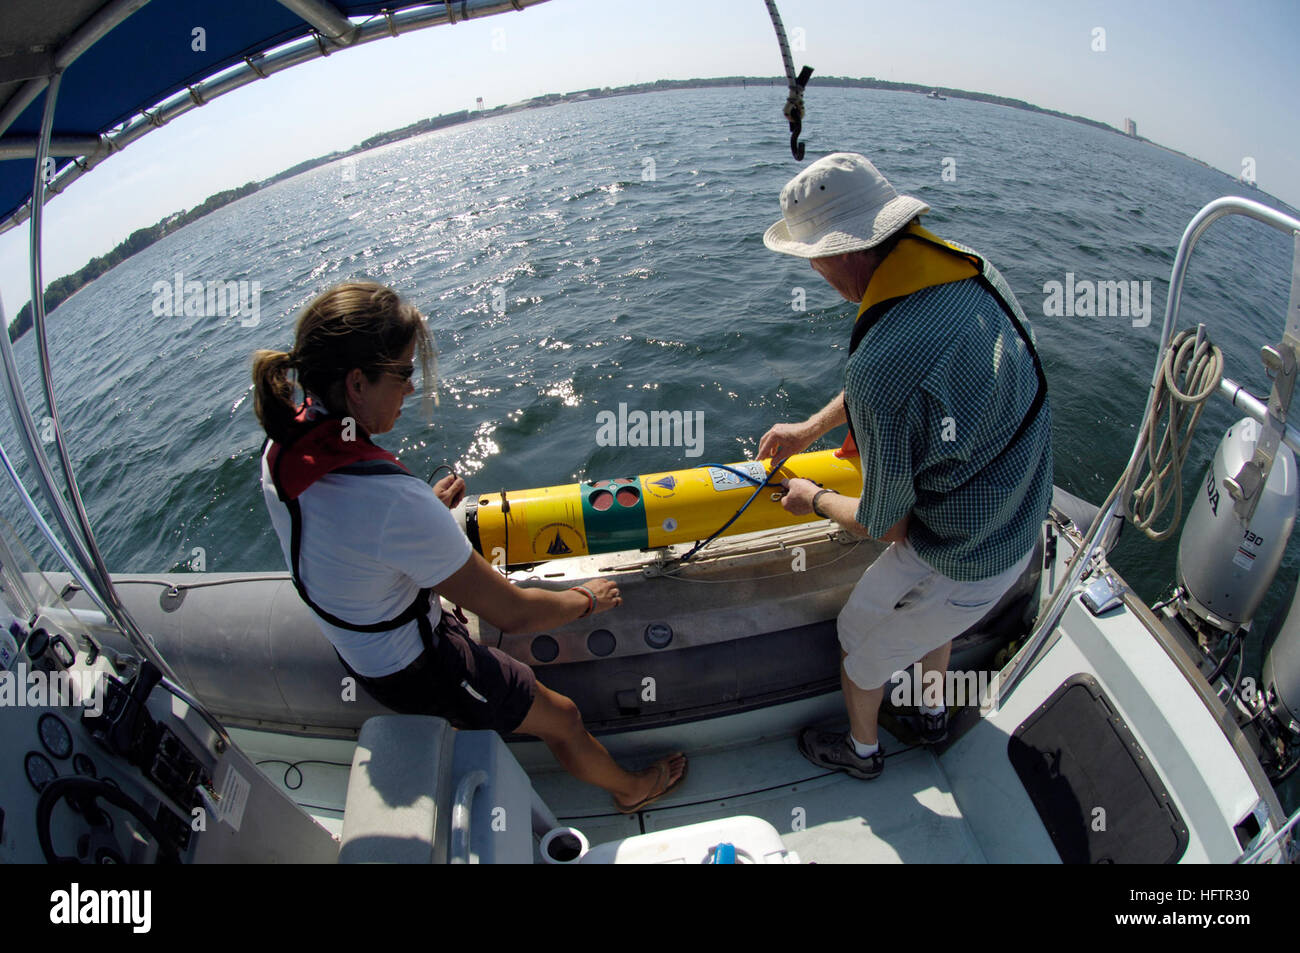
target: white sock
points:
(863, 751)
(927, 710)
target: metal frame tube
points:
(326, 18)
(24, 147)
(1237, 395)
(79, 536)
(96, 570)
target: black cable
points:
(1227, 657)
(441, 466)
(293, 766)
(1160, 605)
(760, 485)
(505, 528)
(1241, 667)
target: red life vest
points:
(296, 466)
(320, 450)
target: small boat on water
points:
(935, 94)
(1096, 728)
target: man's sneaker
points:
(834, 750)
(934, 728)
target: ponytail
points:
(273, 395)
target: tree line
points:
(59, 290)
(63, 288)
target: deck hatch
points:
(1075, 755)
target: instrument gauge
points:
(40, 770)
(82, 764)
(55, 735)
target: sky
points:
(1212, 78)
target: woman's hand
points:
(450, 489)
(606, 593)
(478, 587)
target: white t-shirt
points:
(369, 545)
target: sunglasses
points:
(405, 372)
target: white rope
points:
(794, 109)
(785, 46)
(673, 573)
(1189, 374)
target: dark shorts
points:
(470, 685)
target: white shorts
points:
(901, 610)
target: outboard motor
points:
(1225, 568)
(1224, 571)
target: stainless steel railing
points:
(1101, 533)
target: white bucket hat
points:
(839, 204)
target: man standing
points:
(946, 400)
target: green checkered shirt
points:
(935, 391)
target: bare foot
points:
(654, 782)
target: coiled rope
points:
(1189, 374)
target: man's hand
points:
(798, 497)
(450, 489)
(785, 440)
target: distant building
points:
(479, 103)
(1130, 128)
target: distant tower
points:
(480, 103)
(1130, 128)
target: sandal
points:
(656, 792)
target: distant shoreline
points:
(63, 288)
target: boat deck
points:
(908, 815)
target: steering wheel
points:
(94, 789)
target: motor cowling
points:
(1224, 568)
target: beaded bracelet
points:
(591, 599)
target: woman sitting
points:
(372, 547)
